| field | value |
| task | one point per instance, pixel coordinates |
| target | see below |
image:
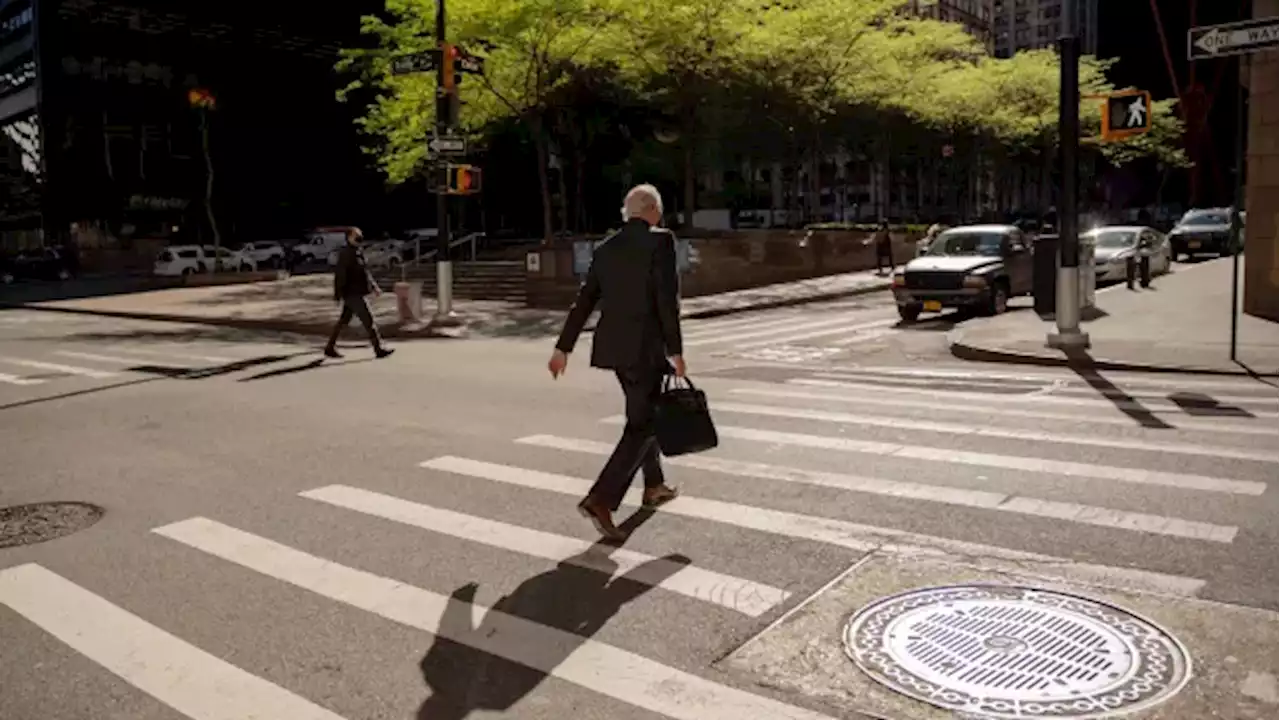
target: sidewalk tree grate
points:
(42, 522)
(1003, 651)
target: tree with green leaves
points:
(529, 48)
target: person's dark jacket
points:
(351, 277)
(634, 283)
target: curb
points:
(785, 302)
(390, 332)
(973, 353)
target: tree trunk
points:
(690, 179)
(580, 222)
(208, 189)
(544, 181)
(563, 187)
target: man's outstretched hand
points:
(558, 362)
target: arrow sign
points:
(471, 64)
(1238, 38)
(448, 145)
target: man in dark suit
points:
(351, 283)
(633, 281)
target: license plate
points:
(1193, 244)
(932, 305)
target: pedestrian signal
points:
(458, 179)
(1125, 114)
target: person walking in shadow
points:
(568, 604)
(884, 248)
(633, 280)
(352, 281)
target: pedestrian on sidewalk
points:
(884, 248)
(633, 280)
(352, 281)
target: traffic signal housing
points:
(458, 179)
(449, 57)
(1125, 114)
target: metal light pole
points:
(444, 109)
(1067, 302)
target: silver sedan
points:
(1114, 245)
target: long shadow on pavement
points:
(75, 393)
(568, 605)
(305, 367)
(1124, 402)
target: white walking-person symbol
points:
(1137, 111)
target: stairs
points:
(472, 280)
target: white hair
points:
(641, 198)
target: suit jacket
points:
(634, 283)
(351, 277)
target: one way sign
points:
(1238, 38)
(1126, 113)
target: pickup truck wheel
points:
(909, 313)
(999, 301)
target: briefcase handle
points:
(672, 381)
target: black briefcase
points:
(682, 420)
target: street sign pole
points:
(444, 316)
(1237, 205)
(1067, 302)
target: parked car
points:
(1114, 245)
(265, 253)
(1203, 232)
(38, 264)
(190, 259)
(318, 244)
(974, 267)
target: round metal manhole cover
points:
(41, 522)
(1001, 651)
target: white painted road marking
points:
(1121, 380)
(1099, 403)
(994, 432)
(839, 533)
(870, 397)
(186, 678)
(17, 380)
(852, 330)
(66, 369)
(740, 595)
(139, 362)
(591, 664)
(963, 497)
(839, 324)
(221, 359)
(1137, 476)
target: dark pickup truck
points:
(978, 266)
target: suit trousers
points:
(356, 306)
(637, 449)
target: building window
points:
(17, 76)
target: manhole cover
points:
(1001, 651)
(41, 522)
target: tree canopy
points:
(731, 68)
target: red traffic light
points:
(201, 98)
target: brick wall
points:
(1261, 186)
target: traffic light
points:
(450, 55)
(457, 179)
(1125, 114)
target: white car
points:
(1113, 246)
(385, 254)
(181, 260)
(319, 244)
(234, 260)
(268, 253)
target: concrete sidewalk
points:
(1181, 324)
(305, 305)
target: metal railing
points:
(419, 257)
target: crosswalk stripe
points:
(963, 497)
(864, 337)
(1100, 403)
(179, 355)
(588, 663)
(56, 367)
(994, 432)
(1119, 379)
(96, 357)
(851, 330)
(17, 380)
(744, 596)
(1132, 394)
(188, 679)
(707, 328)
(868, 398)
(838, 533)
(766, 329)
(1136, 476)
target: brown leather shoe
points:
(600, 516)
(660, 495)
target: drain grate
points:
(41, 522)
(1002, 651)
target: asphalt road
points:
(282, 536)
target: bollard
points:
(1144, 267)
(409, 301)
(1130, 271)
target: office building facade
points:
(975, 15)
(1036, 24)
